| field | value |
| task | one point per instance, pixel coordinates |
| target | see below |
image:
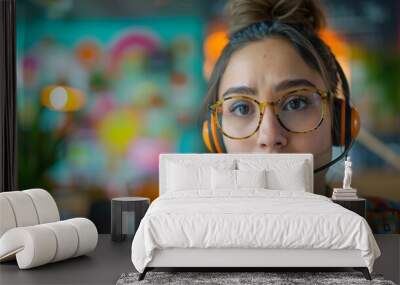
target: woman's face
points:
(261, 68)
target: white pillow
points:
(281, 174)
(228, 179)
(182, 177)
(251, 178)
(290, 179)
(223, 179)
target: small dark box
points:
(356, 205)
(126, 214)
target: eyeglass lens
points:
(240, 116)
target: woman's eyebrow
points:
(245, 90)
(290, 83)
(283, 85)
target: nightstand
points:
(356, 205)
(126, 214)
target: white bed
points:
(250, 226)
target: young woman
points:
(272, 90)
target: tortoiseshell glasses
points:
(300, 111)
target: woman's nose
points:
(271, 135)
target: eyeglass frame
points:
(324, 95)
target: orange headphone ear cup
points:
(339, 123)
(355, 123)
(212, 136)
(338, 131)
(206, 136)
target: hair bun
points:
(242, 13)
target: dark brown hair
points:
(296, 21)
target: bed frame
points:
(261, 259)
(248, 259)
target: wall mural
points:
(98, 100)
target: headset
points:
(346, 125)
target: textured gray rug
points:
(229, 278)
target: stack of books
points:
(344, 194)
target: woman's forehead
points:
(265, 65)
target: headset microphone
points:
(343, 154)
(346, 119)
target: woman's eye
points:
(241, 109)
(296, 104)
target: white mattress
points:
(253, 218)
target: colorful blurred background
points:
(105, 86)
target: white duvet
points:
(253, 218)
